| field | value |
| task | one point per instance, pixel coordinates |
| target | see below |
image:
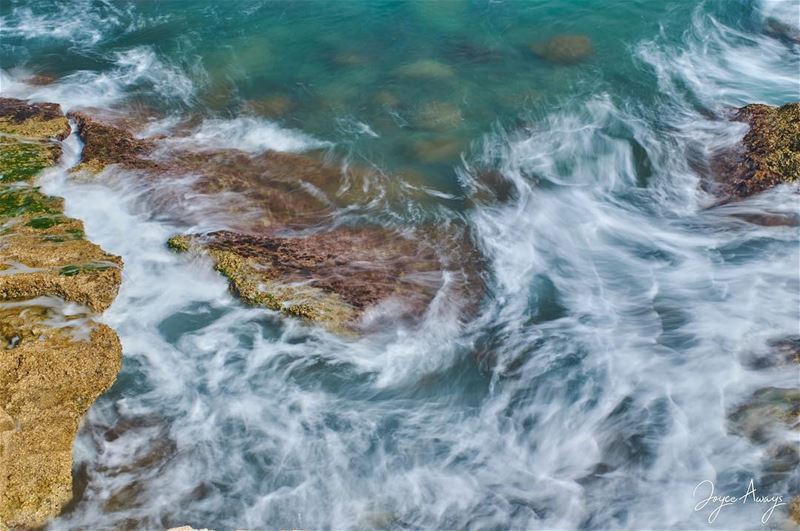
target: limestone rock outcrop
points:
(54, 359)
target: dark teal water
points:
(626, 311)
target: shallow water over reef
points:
(629, 316)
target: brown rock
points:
(794, 509)
(329, 277)
(769, 153)
(333, 276)
(41, 79)
(105, 144)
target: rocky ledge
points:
(769, 153)
(282, 249)
(54, 359)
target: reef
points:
(280, 249)
(55, 359)
(769, 153)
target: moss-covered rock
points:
(769, 153)
(39, 121)
(52, 365)
(22, 161)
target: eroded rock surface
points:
(330, 277)
(280, 251)
(49, 376)
(769, 153)
(54, 360)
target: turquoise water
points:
(625, 310)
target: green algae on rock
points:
(769, 153)
(40, 121)
(49, 374)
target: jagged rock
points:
(105, 144)
(564, 49)
(49, 376)
(53, 365)
(769, 153)
(330, 277)
(43, 252)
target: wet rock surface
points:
(277, 251)
(330, 277)
(54, 360)
(769, 153)
(49, 376)
(105, 144)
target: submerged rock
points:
(767, 412)
(769, 153)
(564, 49)
(425, 69)
(781, 31)
(53, 365)
(439, 116)
(271, 107)
(41, 79)
(433, 149)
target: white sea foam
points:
(249, 134)
(135, 71)
(82, 23)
